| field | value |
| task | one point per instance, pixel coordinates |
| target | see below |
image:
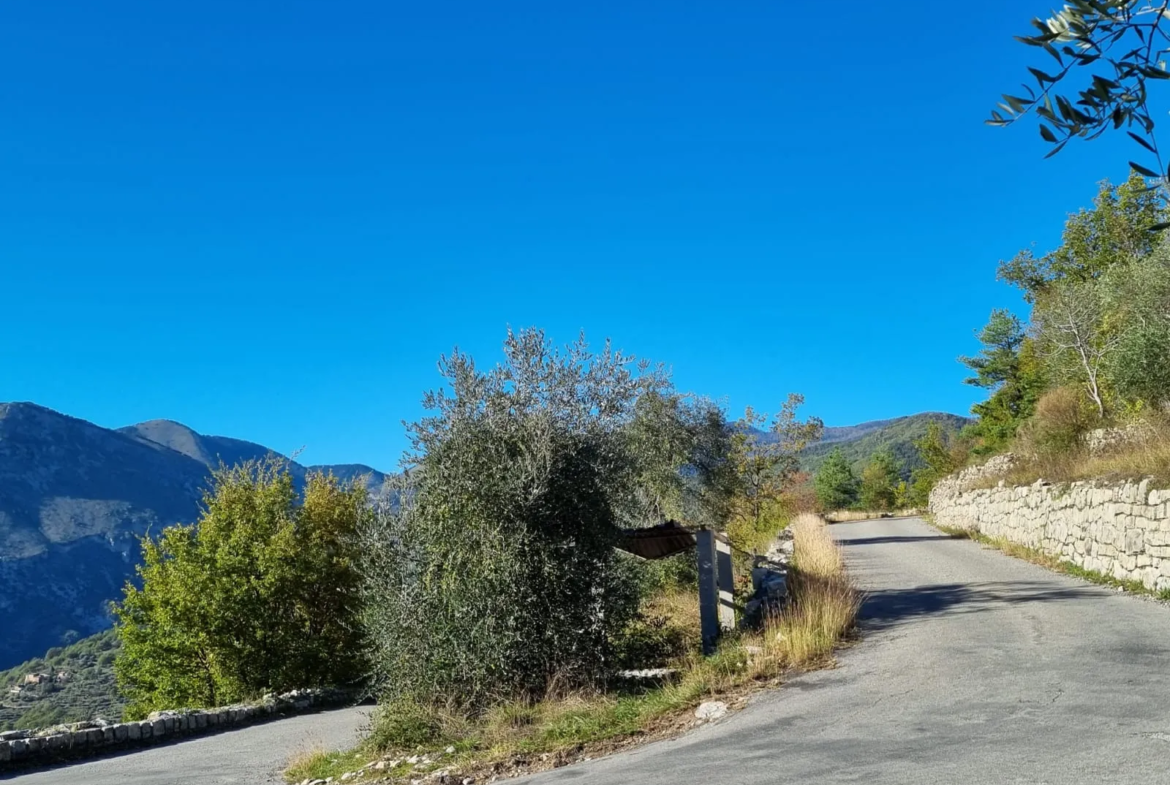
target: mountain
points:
(859, 442)
(67, 684)
(74, 500)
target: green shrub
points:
(404, 725)
(259, 595)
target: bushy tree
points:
(941, 454)
(765, 459)
(260, 594)
(879, 482)
(835, 483)
(683, 444)
(1113, 233)
(1008, 366)
(496, 572)
(1137, 300)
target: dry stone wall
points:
(90, 739)
(1122, 530)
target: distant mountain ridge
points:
(74, 500)
(897, 435)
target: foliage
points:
(568, 723)
(258, 595)
(894, 436)
(80, 686)
(1111, 234)
(1100, 324)
(1120, 46)
(1008, 366)
(497, 573)
(765, 471)
(941, 454)
(879, 482)
(836, 484)
(1071, 325)
(1137, 299)
(683, 444)
(1059, 426)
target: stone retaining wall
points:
(89, 739)
(1122, 530)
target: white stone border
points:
(91, 739)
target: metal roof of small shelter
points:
(657, 542)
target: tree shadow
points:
(895, 539)
(891, 607)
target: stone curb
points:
(91, 739)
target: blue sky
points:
(268, 220)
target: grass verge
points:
(1054, 563)
(409, 742)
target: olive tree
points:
(1111, 52)
(494, 573)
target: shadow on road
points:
(882, 609)
(897, 539)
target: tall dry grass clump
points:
(823, 603)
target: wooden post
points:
(708, 590)
(726, 580)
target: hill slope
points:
(68, 684)
(74, 500)
(859, 442)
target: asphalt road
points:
(254, 755)
(974, 668)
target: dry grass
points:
(1146, 453)
(521, 737)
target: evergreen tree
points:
(879, 482)
(835, 483)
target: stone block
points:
(5, 751)
(133, 731)
(19, 747)
(1134, 541)
(158, 728)
(147, 729)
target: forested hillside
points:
(860, 442)
(68, 684)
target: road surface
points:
(253, 755)
(974, 668)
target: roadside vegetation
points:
(482, 599)
(566, 724)
(1077, 390)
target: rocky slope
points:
(74, 500)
